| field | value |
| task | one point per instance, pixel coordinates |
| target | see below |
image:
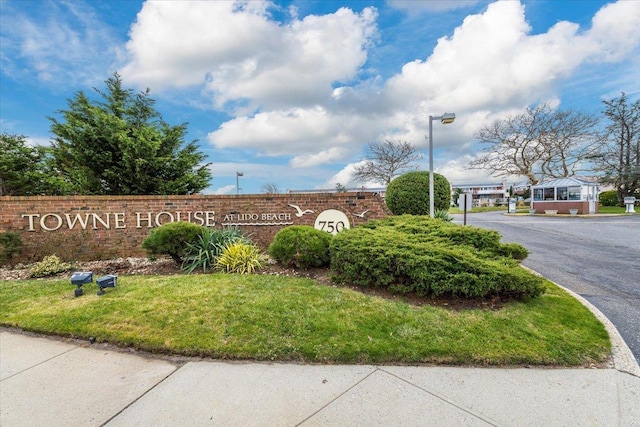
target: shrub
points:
(409, 193)
(609, 198)
(203, 253)
(513, 250)
(171, 239)
(240, 257)
(49, 266)
(301, 246)
(429, 257)
(10, 246)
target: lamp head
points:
(80, 278)
(447, 118)
(108, 281)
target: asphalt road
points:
(596, 257)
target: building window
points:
(563, 193)
(574, 193)
(538, 194)
(549, 194)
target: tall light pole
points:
(238, 175)
(445, 119)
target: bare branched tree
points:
(540, 142)
(269, 188)
(386, 160)
(619, 155)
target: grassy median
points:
(264, 317)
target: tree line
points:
(540, 143)
(120, 145)
(544, 142)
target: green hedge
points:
(409, 254)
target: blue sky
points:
(291, 92)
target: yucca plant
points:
(203, 253)
(443, 215)
(240, 257)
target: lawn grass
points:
(264, 317)
(614, 210)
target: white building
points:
(484, 194)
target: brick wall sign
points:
(103, 227)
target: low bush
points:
(513, 250)
(609, 198)
(10, 246)
(478, 238)
(429, 257)
(240, 257)
(301, 246)
(203, 253)
(171, 239)
(49, 266)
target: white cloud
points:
(62, 44)
(227, 189)
(489, 62)
(245, 58)
(457, 172)
(343, 177)
(299, 132)
(615, 30)
(178, 43)
(325, 156)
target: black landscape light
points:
(80, 278)
(108, 281)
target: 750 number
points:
(331, 226)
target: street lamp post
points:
(238, 175)
(445, 119)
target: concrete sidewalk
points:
(46, 382)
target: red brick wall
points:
(103, 227)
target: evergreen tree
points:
(120, 145)
(25, 170)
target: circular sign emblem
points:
(332, 221)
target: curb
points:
(623, 359)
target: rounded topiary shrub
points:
(301, 246)
(409, 193)
(171, 239)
